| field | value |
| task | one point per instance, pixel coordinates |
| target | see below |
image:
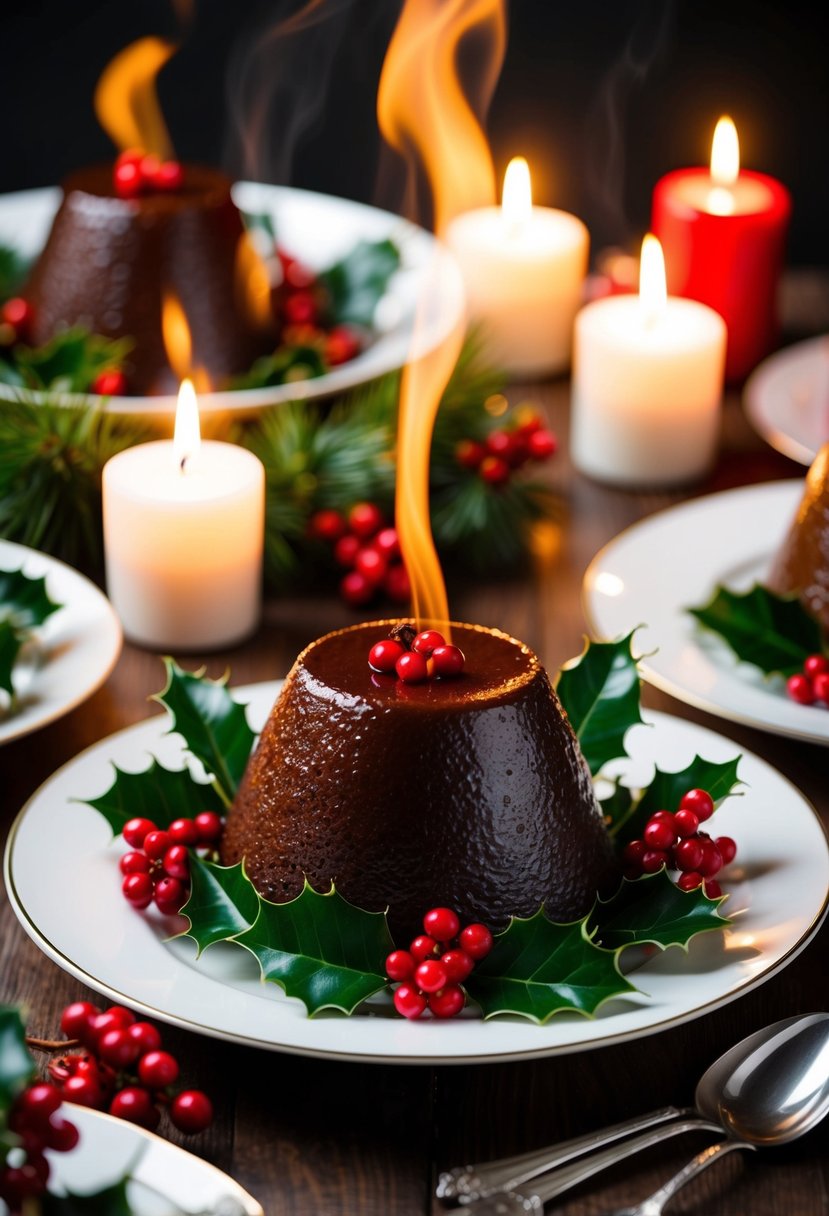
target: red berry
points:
(800, 689)
(727, 849)
(18, 313)
(659, 834)
(425, 947)
(448, 1002)
(61, 1136)
(427, 641)
(476, 940)
(686, 823)
(327, 525)
(711, 863)
(633, 852)
(494, 470)
(75, 1019)
(169, 176)
(191, 1111)
(135, 1105)
(653, 860)
(40, 1101)
(371, 564)
(176, 862)
(138, 889)
(84, 1090)
(356, 589)
(712, 889)
(698, 801)
(136, 831)
(384, 655)
(441, 923)
(688, 854)
(469, 454)
(397, 586)
(148, 167)
(412, 668)
(118, 1048)
(156, 844)
(157, 1069)
(499, 443)
(346, 550)
(300, 309)
(458, 965)
(815, 665)
(110, 383)
(365, 519)
(209, 826)
(430, 975)
(400, 965)
(145, 1036)
(387, 542)
(529, 423)
(126, 179)
(408, 1001)
(341, 346)
(170, 895)
(134, 863)
(448, 662)
(542, 445)
(184, 831)
(116, 1015)
(664, 816)
(689, 881)
(820, 686)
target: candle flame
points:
(725, 167)
(175, 331)
(517, 198)
(187, 433)
(126, 104)
(653, 290)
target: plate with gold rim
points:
(650, 574)
(63, 882)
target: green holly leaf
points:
(70, 362)
(111, 1201)
(357, 283)
(773, 632)
(223, 902)
(13, 271)
(653, 910)
(537, 968)
(321, 949)
(286, 365)
(10, 643)
(24, 600)
(16, 1065)
(600, 693)
(666, 790)
(157, 793)
(213, 725)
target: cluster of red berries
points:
(16, 319)
(157, 869)
(368, 550)
(415, 657)
(35, 1119)
(139, 172)
(503, 452)
(674, 840)
(298, 305)
(124, 1070)
(430, 973)
(812, 684)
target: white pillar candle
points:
(523, 268)
(183, 536)
(647, 384)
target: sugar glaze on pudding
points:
(108, 262)
(470, 793)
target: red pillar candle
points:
(723, 231)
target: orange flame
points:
(178, 343)
(125, 98)
(421, 104)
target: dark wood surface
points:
(313, 1138)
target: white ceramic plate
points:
(319, 229)
(650, 574)
(71, 654)
(787, 399)
(59, 856)
(166, 1180)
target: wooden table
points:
(311, 1138)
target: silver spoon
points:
(768, 1088)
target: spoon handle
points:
(655, 1203)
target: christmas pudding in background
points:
(801, 565)
(469, 792)
(110, 262)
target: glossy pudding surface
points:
(802, 564)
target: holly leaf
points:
(537, 968)
(600, 694)
(111, 1201)
(71, 361)
(653, 910)
(159, 794)
(16, 1065)
(617, 805)
(773, 632)
(13, 270)
(286, 365)
(10, 643)
(24, 600)
(666, 790)
(213, 725)
(357, 283)
(223, 902)
(321, 949)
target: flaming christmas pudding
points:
(468, 791)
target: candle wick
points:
(182, 463)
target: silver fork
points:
(655, 1203)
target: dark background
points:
(602, 96)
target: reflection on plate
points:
(71, 654)
(59, 856)
(318, 229)
(787, 399)
(166, 1180)
(650, 574)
